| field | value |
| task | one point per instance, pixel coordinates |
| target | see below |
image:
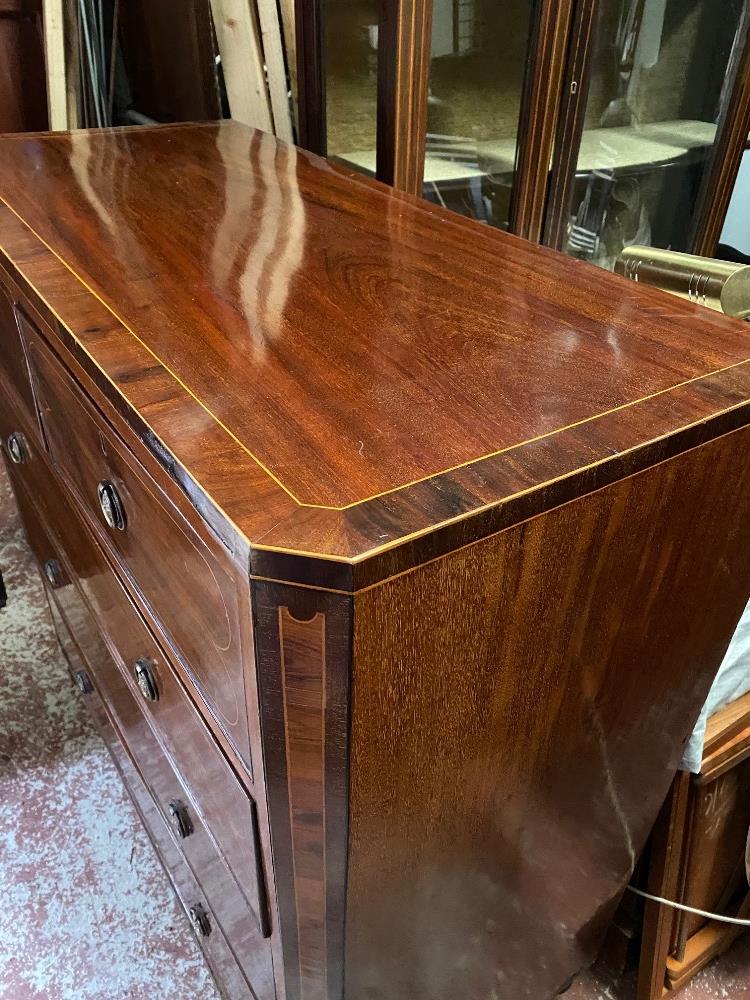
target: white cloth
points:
(732, 681)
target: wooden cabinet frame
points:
(550, 127)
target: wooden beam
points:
(731, 141)
(312, 129)
(404, 48)
(278, 85)
(54, 55)
(569, 127)
(537, 123)
(242, 61)
(286, 7)
(72, 63)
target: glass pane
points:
(735, 236)
(479, 55)
(661, 73)
(351, 79)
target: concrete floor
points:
(87, 912)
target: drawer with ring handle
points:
(188, 586)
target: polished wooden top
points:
(360, 367)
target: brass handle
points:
(111, 505)
(17, 448)
(199, 920)
(180, 819)
(82, 681)
(716, 284)
(53, 572)
(146, 678)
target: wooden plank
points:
(278, 86)
(242, 62)
(705, 945)
(54, 53)
(286, 8)
(727, 755)
(727, 722)
(540, 105)
(72, 63)
(718, 184)
(404, 44)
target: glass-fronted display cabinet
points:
(586, 124)
(642, 140)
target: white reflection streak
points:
(290, 255)
(611, 789)
(239, 189)
(273, 257)
(80, 156)
(260, 255)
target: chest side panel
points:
(518, 710)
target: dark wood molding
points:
(540, 106)
(570, 124)
(664, 873)
(303, 650)
(404, 46)
(731, 142)
(311, 87)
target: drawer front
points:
(227, 905)
(225, 808)
(189, 591)
(14, 373)
(217, 949)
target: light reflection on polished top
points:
(351, 340)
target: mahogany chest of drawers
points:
(394, 555)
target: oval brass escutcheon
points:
(199, 920)
(112, 509)
(146, 678)
(17, 448)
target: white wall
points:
(442, 27)
(736, 230)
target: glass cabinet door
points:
(658, 81)
(351, 80)
(477, 67)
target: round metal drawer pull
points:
(199, 920)
(180, 819)
(82, 681)
(111, 505)
(143, 669)
(17, 449)
(53, 572)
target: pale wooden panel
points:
(288, 25)
(273, 50)
(54, 51)
(242, 61)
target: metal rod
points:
(720, 285)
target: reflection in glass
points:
(351, 71)
(479, 54)
(660, 78)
